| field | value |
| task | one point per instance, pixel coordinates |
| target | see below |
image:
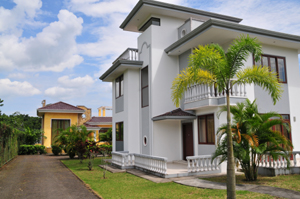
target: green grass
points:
(124, 185)
(283, 181)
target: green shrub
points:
(27, 150)
(56, 149)
(40, 148)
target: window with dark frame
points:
(144, 86)
(206, 129)
(119, 86)
(276, 64)
(119, 131)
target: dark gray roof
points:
(175, 114)
(117, 63)
(232, 26)
(175, 7)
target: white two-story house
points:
(146, 121)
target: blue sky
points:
(57, 49)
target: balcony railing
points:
(199, 92)
(129, 54)
(203, 163)
(126, 160)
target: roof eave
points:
(117, 64)
(58, 111)
(232, 26)
(174, 118)
(174, 7)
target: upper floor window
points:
(206, 129)
(151, 21)
(119, 86)
(144, 86)
(275, 64)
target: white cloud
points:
(23, 13)
(280, 16)
(15, 88)
(76, 82)
(17, 75)
(53, 49)
(70, 88)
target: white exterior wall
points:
(167, 140)
(164, 68)
(130, 114)
(132, 103)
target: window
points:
(206, 129)
(144, 86)
(119, 86)
(151, 21)
(57, 125)
(119, 131)
(282, 129)
(276, 64)
(103, 130)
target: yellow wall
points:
(97, 132)
(47, 124)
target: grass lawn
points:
(283, 181)
(124, 185)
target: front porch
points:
(159, 166)
(198, 165)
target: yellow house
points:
(61, 115)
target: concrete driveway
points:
(40, 176)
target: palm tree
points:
(253, 137)
(68, 138)
(210, 65)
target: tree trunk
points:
(230, 161)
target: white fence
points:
(203, 163)
(268, 162)
(203, 91)
(133, 160)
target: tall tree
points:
(210, 65)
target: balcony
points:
(130, 54)
(200, 95)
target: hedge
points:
(31, 149)
(8, 143)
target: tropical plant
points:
(68, 138)
(253, 137)
(56, 149)
(107, 136)
(30, 136)
(211, 65)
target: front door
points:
(187, 134)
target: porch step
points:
(180, 162)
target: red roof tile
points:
(100, 120)
(60, 106)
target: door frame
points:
(183, 139)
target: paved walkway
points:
(274, 191)
(40, 176)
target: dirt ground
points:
(40, 176)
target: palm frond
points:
(261, 77)
(187, 78)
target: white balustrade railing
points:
(203, 91)
(151, 163)
(202, 163)
(268, 162)
(129, 54)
